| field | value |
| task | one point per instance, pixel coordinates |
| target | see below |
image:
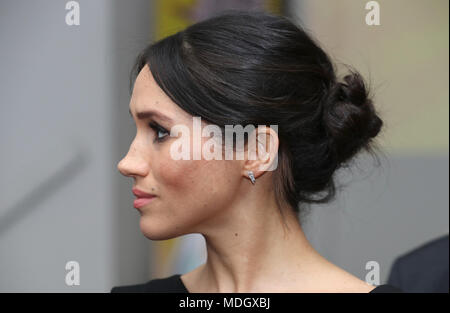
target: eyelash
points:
(157, 128)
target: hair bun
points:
(349, 117)
(353, 89)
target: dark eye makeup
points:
(159, 130)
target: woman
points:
(248, 69)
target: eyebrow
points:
(150, 113)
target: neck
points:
(252, 247)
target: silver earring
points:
(252, 177)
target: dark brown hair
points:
(256, 68)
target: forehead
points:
(148, 95)
(145, 89)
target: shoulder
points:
(335, 279)
(430, 252)
(168, 284)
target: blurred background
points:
(65, 125)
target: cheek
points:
(199, 187)
(191, 192)
(188, 178)
(176, 174)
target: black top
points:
(174, 284)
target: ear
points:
(262, 151)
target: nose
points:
(131, 165)
(123, 168)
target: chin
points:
(157, 231)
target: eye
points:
(161, 132)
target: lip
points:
(140, 202)
(143, 198)
(140, 194)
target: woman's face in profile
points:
(188, 193)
